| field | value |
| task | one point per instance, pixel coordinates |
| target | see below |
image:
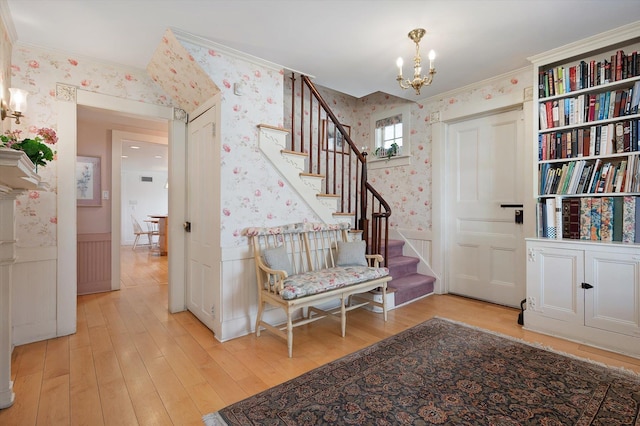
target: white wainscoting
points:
(239, 301)
(34, 295)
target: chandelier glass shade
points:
(418, 79)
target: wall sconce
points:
(17, 104)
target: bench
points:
(304, 265)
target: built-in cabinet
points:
(583, 270)
(588, 292)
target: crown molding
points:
(7, 21)
(182, 35)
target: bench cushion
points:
(315, 282)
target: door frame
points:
(117, 137)
(441, 121)
(67, 99)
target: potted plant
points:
(392, 151)
(37, 149)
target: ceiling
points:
(348, 45)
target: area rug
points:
(446, 373)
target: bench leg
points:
(259, 317)
(343, 316)
(289, 334)
(384, 301)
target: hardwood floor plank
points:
(86, 408)
(53, 408)
(57, 357)
(24, 411)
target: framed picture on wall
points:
(332, 139)
(88, 181)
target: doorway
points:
(66, 195)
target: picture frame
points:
(88, 189)
(332, 140)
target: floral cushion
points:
(309, 283)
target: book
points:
(618, 209)
(550, 214)
(619, 137)
(585, 218)
(630, 219)
(596, 211)
(571, 218)
(606, 219)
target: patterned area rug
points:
(441, 372)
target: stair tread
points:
(401, 260)
(411, 280)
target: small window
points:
(390, 131)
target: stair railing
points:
(332, 153)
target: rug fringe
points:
(537, 345)
(213, 419)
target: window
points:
(390, 134)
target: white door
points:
(485, 186)
(203, 260)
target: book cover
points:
(636, 219)
(596, 211)
(571, 218)
(619, 137)
(606, 219)
(550, 215)
(618, 218)
(585, 218)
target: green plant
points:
(37, 148)
(392, 151)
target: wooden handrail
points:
(344, 167)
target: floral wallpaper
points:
(252, 192)
(176, 71)
(38, 71)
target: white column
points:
(7, 258)
(16, 175)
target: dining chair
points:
(138, 232)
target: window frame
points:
(404, 158)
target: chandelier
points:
(418, 80)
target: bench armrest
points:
(275, 276)
(374, 260)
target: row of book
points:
(586, 108)
(560, 80)
(606, 139)
(591, 218)
(619, 175)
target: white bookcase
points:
(587, 288)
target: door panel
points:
(486, 159)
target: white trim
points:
(7, 20)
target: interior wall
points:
(94, 140)
(141, 199)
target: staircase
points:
(407, 282)
(334, 182)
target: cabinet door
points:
(554, 277)
(614, 301)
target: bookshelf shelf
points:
(583, 266)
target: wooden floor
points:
(131, 362)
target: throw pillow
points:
(351, 253)
(277, 258)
